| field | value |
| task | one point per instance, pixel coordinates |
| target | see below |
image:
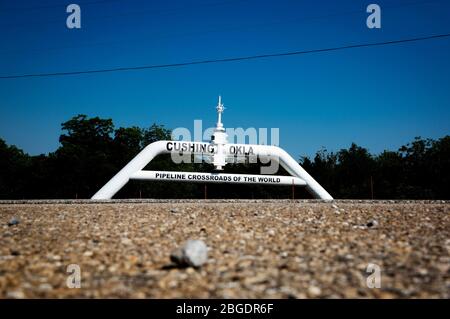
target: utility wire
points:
(232, 59)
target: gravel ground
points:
(257, 249)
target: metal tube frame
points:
(134, 169)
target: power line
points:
(233, 59)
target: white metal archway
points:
(134, 170)
(218, 150)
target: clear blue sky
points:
(378, 97)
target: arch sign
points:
(218, 152)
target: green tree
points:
(13, 171)
(389, 176)
(84, 159)
(127, 144)
(355, 168)
(155, 133)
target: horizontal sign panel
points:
(202, 148)
(217, 178)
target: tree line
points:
(92, 150)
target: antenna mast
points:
(219, 139)
(220, 108)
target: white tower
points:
(219, 139)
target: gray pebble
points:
(15, 252)
(372, 223)
(18, 294)
(193, 253)
(13, 221)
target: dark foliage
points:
(92, 151)
(419, 170)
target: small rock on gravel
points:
(193, 253)
(372, 223)
(15, 252)
(13, 221)
(15, 294)
(314, 291)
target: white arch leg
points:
(295, 169)
(138, 163)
